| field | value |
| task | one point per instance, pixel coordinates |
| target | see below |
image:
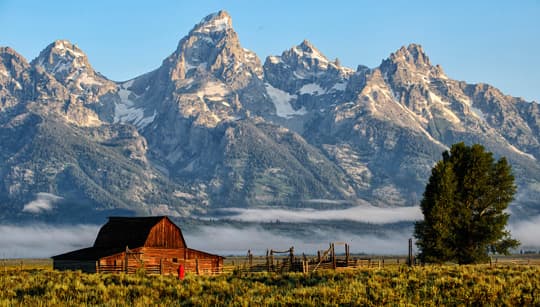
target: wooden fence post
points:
(97, 266)
(305, 266)
(126, 260)
(334, 264)
(346, 255)
(160, 266)
(410, 260)
(272, 260)
(267, 261)
(197, 265)
(291, 255)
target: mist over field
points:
(237, 241)
(43, 240)
(363, 214)
(527, 232)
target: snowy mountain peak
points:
(307, 50)
(10, 60)
(69, 65)
(65, 50)
(212, 48)
(216, 22)
(413, 54)
(8, 51)
(307, 46)
(65, 46)
(61, 58)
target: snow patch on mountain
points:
(450, 116)
(274, 59)
(212, 90)
(189, 66)
(312, 89)
(341, 86)
(437, 99)
(84, 78)
(282, 102)
(217, 22)
(478, 113)
(61, 45)
(521, 152)
(126, 112)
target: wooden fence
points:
(280, 263)
(164, 267)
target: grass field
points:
(37, 285)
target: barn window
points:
(175, 260)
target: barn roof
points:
(127, 231)
(89, 253)
(119, 232)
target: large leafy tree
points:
(463, 207)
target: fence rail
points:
(259, 264)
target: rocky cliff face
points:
(54, 141)
(386, 126)
(213, 128)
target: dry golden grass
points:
(394, 285)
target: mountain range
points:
(214, 127)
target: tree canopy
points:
(463, 207)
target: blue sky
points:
(495, 42)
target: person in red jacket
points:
(181, 272)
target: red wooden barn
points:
(126, 244)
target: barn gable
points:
(165, 234)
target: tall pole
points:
(267, 260)
(126, 261)
(334, 264)
(291, 255)
(410, 260)
(346, 255)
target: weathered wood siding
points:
(165, 235)
(162, 261)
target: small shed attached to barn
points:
(127, 244)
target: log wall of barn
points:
(162, 261)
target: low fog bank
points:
(363, 214)
(45, 240)
(237, 241)
(527, 232)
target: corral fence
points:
(285, 260)
(282, 261)
(279, 262)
